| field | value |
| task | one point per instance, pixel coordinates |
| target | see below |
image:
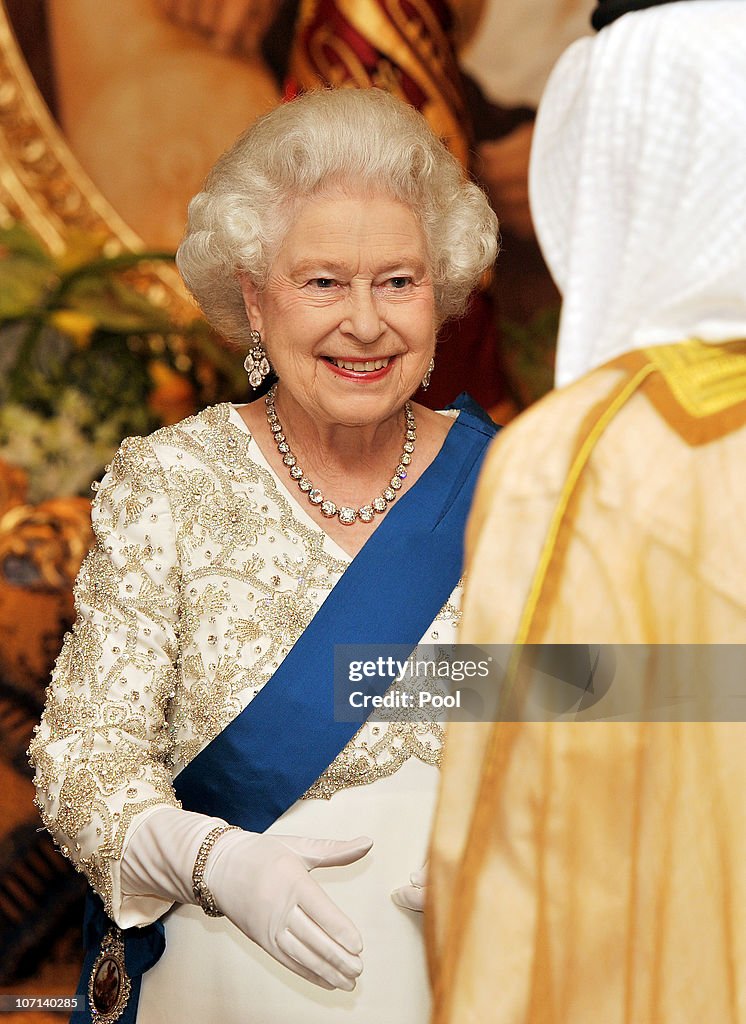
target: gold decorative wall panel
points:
(43, 185)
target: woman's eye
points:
(324, 283)
(399, 282)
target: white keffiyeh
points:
(638, 182)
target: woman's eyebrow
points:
(414, 263)
(317, 265)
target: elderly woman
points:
(189, 756)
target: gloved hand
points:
(413, 896)
(260, 882)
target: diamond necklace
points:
(346, 514)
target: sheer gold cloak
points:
(592, 872)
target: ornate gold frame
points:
(43, 185)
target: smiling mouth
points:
(359, 367)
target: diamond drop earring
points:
(256, 363)
(428, 375)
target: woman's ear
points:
(251, 302)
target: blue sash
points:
(285, 738)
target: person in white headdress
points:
(594, 872)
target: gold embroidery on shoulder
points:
(705, 378)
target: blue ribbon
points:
(283, 740)
(279, 745)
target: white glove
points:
(260, 882)
(412, 897)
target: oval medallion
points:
(109, 986)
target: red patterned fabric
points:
(402, 46)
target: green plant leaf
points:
(528, 354)
(23, 284)
(17, 239)
(115, 306)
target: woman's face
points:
(347, 316)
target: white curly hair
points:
(326, 142)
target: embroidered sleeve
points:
(102, 749)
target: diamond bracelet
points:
(202, 894)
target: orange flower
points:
(173, 397)
(79, 326)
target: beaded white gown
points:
(206, 571)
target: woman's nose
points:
(363, 320)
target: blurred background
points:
(110, 116)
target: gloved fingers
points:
(317, 940)
(411, 897)
(297, 968)
(291, 945)
(312, 899)
(419, 878)
(327, 853)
